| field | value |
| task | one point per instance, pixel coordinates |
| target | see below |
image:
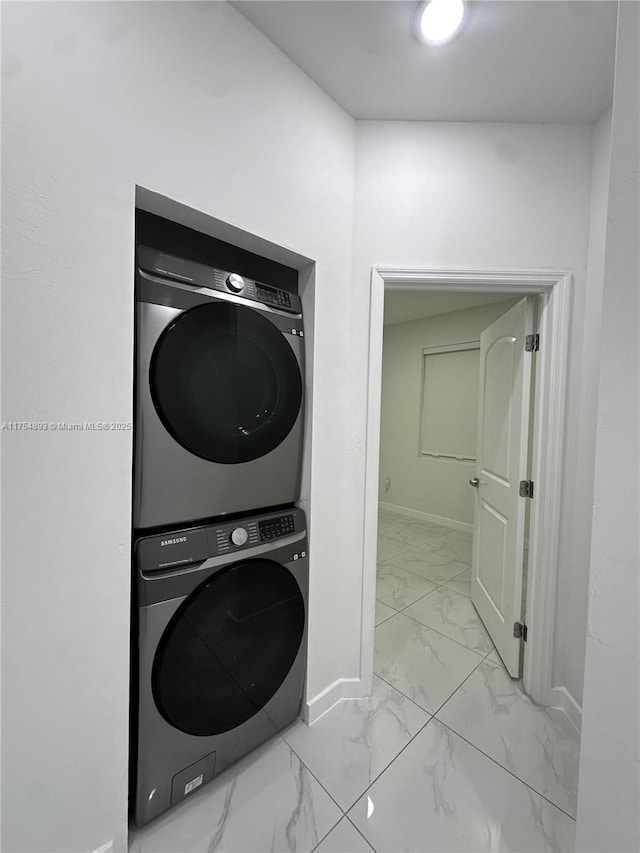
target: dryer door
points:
(225, 383)
(228, 648)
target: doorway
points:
(448, 464)
(552, 289)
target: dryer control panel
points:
(200, 275)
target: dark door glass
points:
(225, 383)
(228, 648)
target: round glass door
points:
(225, 383)
(228, 648)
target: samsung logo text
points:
(175, 541)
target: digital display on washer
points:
(274, 527)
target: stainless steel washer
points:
(219, 393)
(220, 652)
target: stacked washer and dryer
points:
(220, 550)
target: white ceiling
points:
(401, 307)
(514, 61)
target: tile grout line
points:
(429, 593)
(310, 771)
(420, 598)
(405, 696)
(343, 814)
(386, 619)
(431, 718)
(394, 759)
(436, 717)
(402, 520)
(495, 761)
(386, 605)
(359, 796)
(315, 847)
(415, 619)
(426, 580)
(411, 548)
(486, 655)
(433, 538)
(408, 698)
(437, 712)
(433, 530)
(393, 556)
(432, 713)
(387, 562)
(416, 575)
(435, 631)
(366, 840)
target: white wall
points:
(191, 101)
(609, 789)
(490, 195)
(571, 616)
(436, 487)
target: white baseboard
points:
(343, 688)
(105, 848)
(560, 698)
(427, 516)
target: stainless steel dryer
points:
(219, 393)
(219, 662)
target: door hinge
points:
(520, 631)
(532, 343)
(526, 488)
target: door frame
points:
(553, 287)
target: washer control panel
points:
(272, 528)
(231, 537)
(235, 283)
(239, 536)
(180, 548)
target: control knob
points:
(239, 536)
(235, 282)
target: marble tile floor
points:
(448, 753)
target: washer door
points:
(225, 383)
(228, 648)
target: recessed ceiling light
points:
(437, 21)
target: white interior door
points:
(499, 519)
